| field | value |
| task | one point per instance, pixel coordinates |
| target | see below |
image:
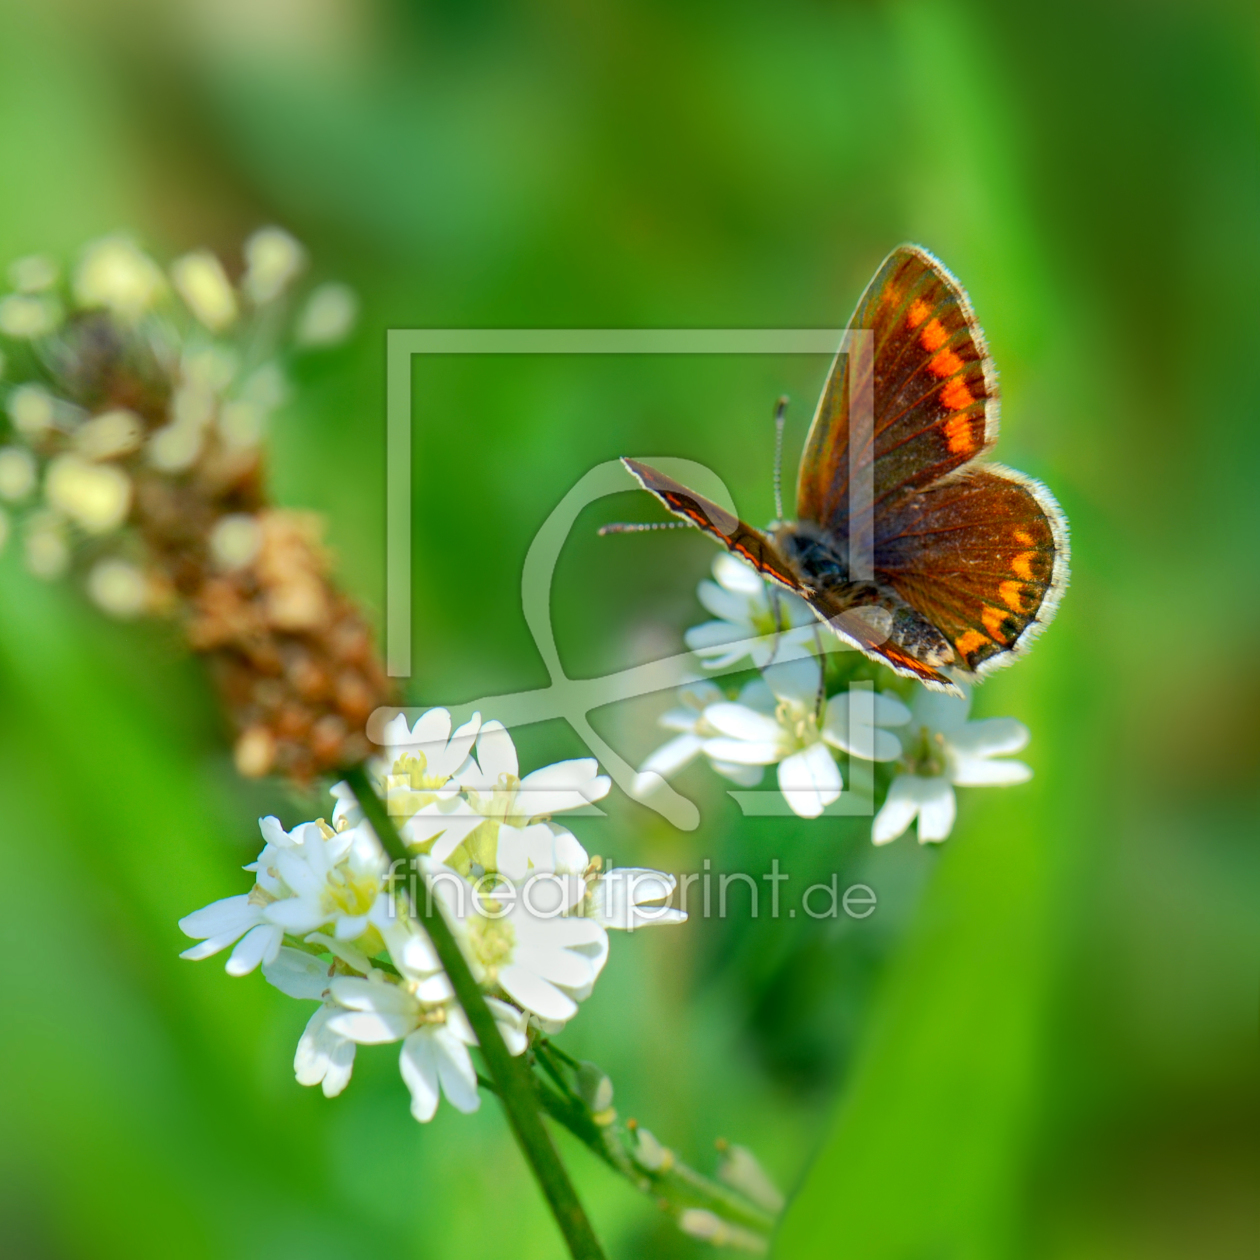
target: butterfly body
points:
(907, 543)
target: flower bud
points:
(46, 551)
(706, 1225)
(328, 317)
(17, 473)
(594, 1088)
(31, 410)
(33, 274)
(235, 541)
(118, 588)
(110, 435)
(255, 752)
(741, 1171)
(649, 1154)
(115, 274)
(272, 259)
(95, 496)
(28, 315)
(201, 281)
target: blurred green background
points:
(1042, 1044)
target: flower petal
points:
(897, 812)
(560, 966)
(565, 785)
(795, 681)
(259, 944)
(513, 1025)
(729, 606)
(937, 808)
(849, 725)
(735, 575)
(455, 1071)
(417, 1061)
(673, 756)
(982, 772)
(990, 737)
(745, 776)
(296, 915)
(323, 1056)
(738, 721)
(810, 780)
(372, 1028)
(536, 994)
(297, 974)
(939, 711)
(496, 755)
(232, 915)
(744, 752)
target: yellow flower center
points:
(491, 941)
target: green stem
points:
(512, 1079)
(674, 1185)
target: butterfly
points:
(908, 543)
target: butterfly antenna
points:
(780, 415)
(622, 527)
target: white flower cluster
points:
(784, 718)
(199, 346)
(529, 907)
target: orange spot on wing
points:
(994, 619)
(1023, 537)
(956, 395)
(944, 364)
(957, 432)
(970, 642)
(1012, 594)
(918, 312)
(1021, 565)
(933, 336)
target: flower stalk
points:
(510, 1078)
(634, 1153)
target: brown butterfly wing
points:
(750, 545)
(982, 555)
(934, 389)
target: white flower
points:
(854, 723)
(745, 608)
(491, 790)
(308, 878)
(435, 1040)
(320, 878)
(627, 898)
(942, 750)
(777, 724)
(622, 898)
(233, 920)
(693, 730)
(528, 938)
(421, 761)
(324, 1056)
(434, 1057)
